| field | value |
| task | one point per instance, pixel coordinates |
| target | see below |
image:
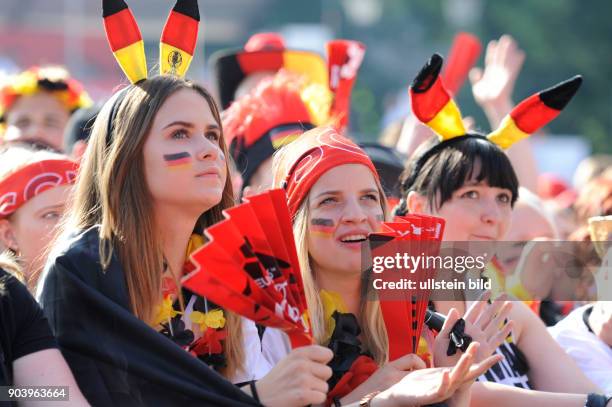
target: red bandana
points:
(332, 150)
(33, 179)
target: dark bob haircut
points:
(437, 170)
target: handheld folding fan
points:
(249, 266)
(417, 236)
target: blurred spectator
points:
(28, 349)
(36, 104)
(586, 335)
(34, 188)
(271, 115)
(78, 130)
(590, 168)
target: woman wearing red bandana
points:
(34, 189)
(336, 200)
(36, 104)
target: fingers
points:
(475, 75)
(320, 371)
(481, 368)
(491, 311)
(490, 53)
(497, 322)
(315, 353)
(476, 308)
(451, 319)
(408, 362)
(463, 365)
(501, 336)
(307, 397)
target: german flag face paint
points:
(432, 104)
(534, 112)
(178, 161)
(179, 38)
(322, 227)
(125, 39)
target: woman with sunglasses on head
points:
(468, 180)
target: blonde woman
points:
(336, 200)
(34, 189)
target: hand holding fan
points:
(249, 266)
(417, 236)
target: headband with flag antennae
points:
(432, 105)
(177, 43)
(179, 37)
(125, 39)
(534, 113)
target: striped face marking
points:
(322, 227)
(178, 161)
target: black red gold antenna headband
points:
(177, 43)
(432, 105)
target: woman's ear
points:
(415, 202)
(7, 236)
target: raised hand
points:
(428, 386)
(485, 323)
(493, 87)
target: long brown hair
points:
(111, 192)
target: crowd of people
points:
(101, 206)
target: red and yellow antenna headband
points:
(432, 105)
(177, 43)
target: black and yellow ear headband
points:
(432, 105)
(176, 47)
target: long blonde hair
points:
(370, 319)
(111, 192)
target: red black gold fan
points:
(418, 237)
(249, 266)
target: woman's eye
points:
(504, 198)
(327, 201)
(51, 215)
(179, 134)
(213, 136)
(372, 197)
(470, 195)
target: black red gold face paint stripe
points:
(322, 227)
(534, 112)
(125, 39)
(179, 38)
(432, 104)
(178, 160)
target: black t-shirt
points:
(23, 326)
